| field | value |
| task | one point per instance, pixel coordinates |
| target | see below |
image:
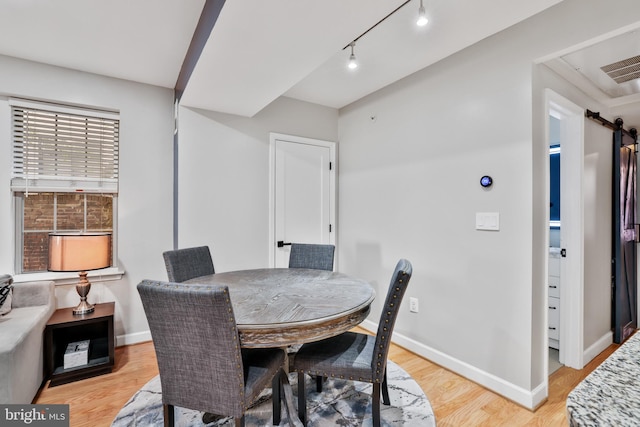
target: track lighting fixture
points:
(422, 16)
(353, 64)
(422, 21)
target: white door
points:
(303, 194)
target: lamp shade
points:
(79, 251)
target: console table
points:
(610, 395)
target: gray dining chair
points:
(201, 364)
(355, 356)
(318, 257)
(187, 263)
(313, 256)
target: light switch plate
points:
(488, 221)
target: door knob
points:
(281, 243)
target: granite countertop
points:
(610, 395)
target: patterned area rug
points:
(342, 403)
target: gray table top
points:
(282, 306)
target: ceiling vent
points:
(623, 71)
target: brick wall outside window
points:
(48, 212)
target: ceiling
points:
(258, 50)
(261, 50)
(140, 40)
(609, 71)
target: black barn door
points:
(624, 262)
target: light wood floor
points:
(456, 402)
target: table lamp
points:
(80, 252)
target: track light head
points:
(353, 64)
(422, 16)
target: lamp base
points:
(83, 308)
(83, 287)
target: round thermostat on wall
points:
(486, 181)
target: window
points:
(64, 176)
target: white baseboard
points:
(136, 338)
(539, 395)
(598, 347)
(528, 399)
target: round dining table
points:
(278, 307)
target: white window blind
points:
(63, 149)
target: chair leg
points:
(240, 421)
(385, 390)
(169, 416)
(375, 410)
(302, 399)
(276, 393)
(319, 381)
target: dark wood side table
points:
(64, 327)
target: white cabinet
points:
(554, 322)
(554, 297)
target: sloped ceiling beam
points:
(208, 18)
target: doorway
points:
(565, 315)
(555, 247)
(302, 194)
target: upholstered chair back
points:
(197, 346)
(318, 257)
(185, 264)
(397, 288)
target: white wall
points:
(409, 188)
(145, 194)
(224, 176)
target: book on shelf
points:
(76, 354)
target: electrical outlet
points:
(413, 305)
